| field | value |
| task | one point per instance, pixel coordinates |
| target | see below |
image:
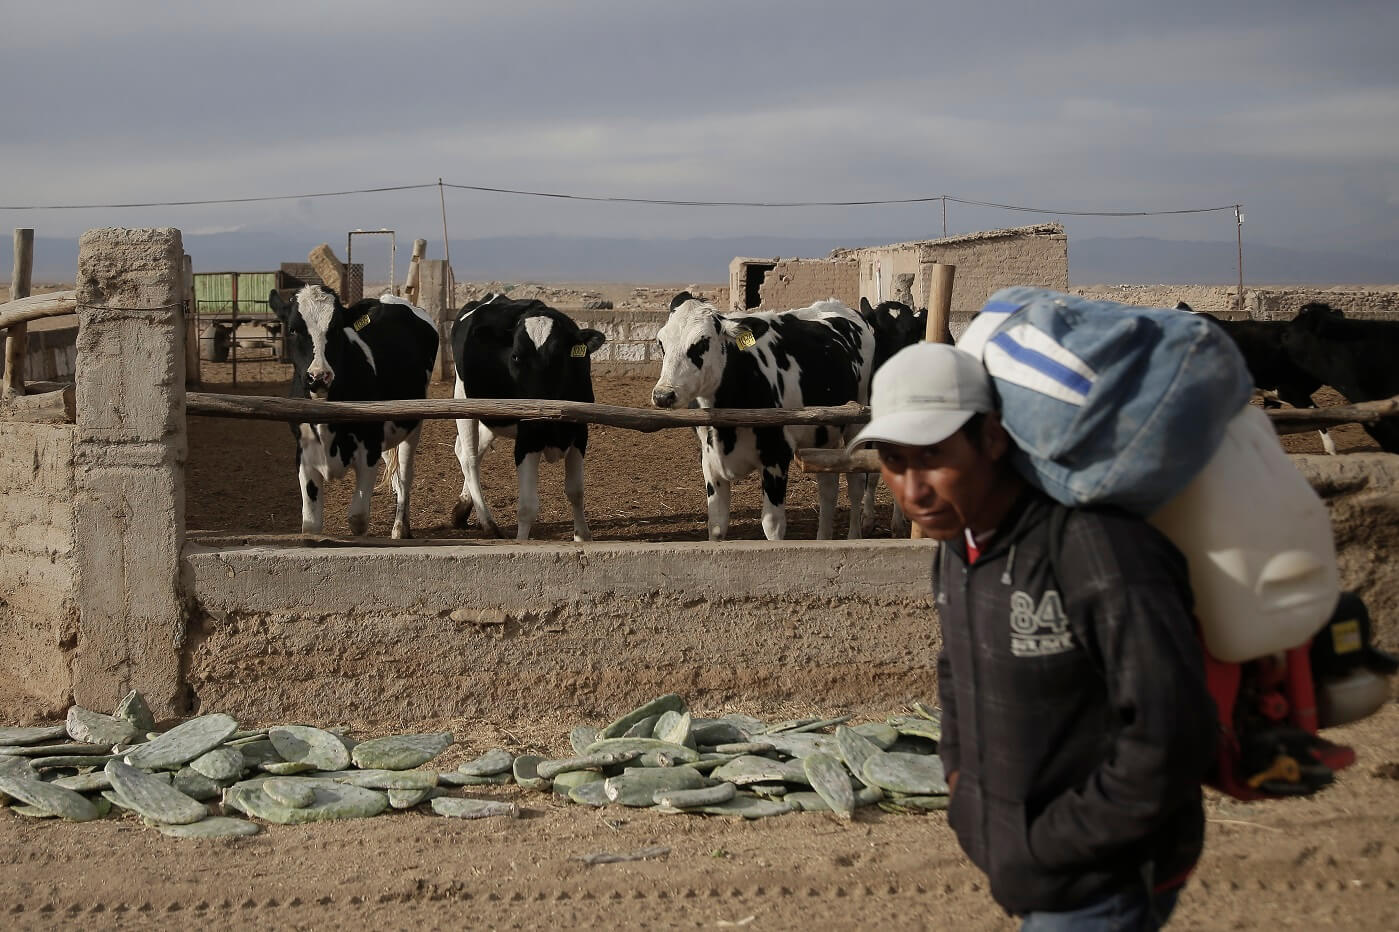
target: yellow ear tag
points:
(1345, 637)
(579, 350)
(361, 323)
(745, 339)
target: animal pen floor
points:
(1327, 860)
(639, 487)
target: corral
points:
(124, 565)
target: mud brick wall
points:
(986, 262)
(38, 567)
(1258, 303)
(802, 282)
(631, 338)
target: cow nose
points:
(663, 398)
(322, 379)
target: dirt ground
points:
(242, 476)
(1327, 861)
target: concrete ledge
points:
(513, 633)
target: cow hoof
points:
(358, 526)
(492, 529)
(461, 513)
(583, 538)
(400, 532)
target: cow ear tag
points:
(361, 323)
(579, 350)
(745, 339)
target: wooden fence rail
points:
(53, 304)
(1284, 420)
(297, 410)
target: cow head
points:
(312, 318)
(694, 341)
(895, 326)
(1317, 318)
(548, 346)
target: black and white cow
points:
(380, 349)
(818, 355)
(511, 348)
(895, 326)
(1274, 372)
(1355, 357)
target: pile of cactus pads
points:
(206, 777)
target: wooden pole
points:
(17, 335)
(646, 420)
(938, 329)
(191, 326)
(1239, 235)
(233, 334)
(54, 304)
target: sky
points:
(1288, 108)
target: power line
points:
(221, 200)
(663, 202)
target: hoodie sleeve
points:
(1127, 588)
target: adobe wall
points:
(523, 632)
(801, 282)
(1259, 303)
(38, 567)
(631, 338)
(1361, 490)
(986, 262)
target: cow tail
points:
(390, 467)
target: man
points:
(1076, 723)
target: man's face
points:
(944, 487)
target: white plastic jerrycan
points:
(1259, 543)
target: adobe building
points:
(985, 261)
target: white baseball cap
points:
(923, 394)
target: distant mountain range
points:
(1137, 260)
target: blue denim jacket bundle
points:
(1108, 404)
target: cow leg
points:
(473, 439)
(898, 522)
(716, 497)
(365, 477)
(1327, 443)
(573, 488)
(402, 479)
(775, 498)
(827, 491)
(855, 486)
(528, 472)
(867, 510)
(311, 476)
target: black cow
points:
(817, 355)
(895, 326)
(511, 348)
(1260, 342)
(1355, 357)
(380, 349)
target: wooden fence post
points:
(17, 336)
(191, 326)
(938, 329)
